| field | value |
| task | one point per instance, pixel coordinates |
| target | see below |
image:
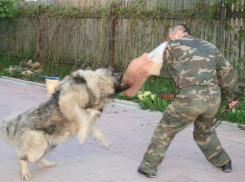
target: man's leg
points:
(207, 139)
(177, 116)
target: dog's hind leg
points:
(31, 148)
(45, 163)
(98, 135)
(25, 174)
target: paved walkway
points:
(129, 130)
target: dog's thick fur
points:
(76, 104)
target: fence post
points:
(222, 32)
(112, 36)
(39, 36)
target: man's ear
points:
(178, 34)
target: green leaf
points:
(2, 15)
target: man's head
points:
(178, 31)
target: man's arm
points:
(227, 77)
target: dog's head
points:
(112, 76)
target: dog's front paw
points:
(26, 176)
(81, 138)
(51, 164)
(105, 144)
(81, 141)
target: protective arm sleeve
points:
(226, 76)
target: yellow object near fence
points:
(51, 82)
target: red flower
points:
(2, 68)
(167, 96)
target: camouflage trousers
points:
(189, 106)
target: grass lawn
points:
(149, 99)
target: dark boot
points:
(227, 167)
(146, 174)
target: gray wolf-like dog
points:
(74, 107)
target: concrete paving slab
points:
(129, 129)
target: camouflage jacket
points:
(196, 62)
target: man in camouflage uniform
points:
(196, 66)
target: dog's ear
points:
(114, 72)
(110, 67)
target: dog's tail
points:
(9, 127)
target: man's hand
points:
(233, 104)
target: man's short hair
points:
(180, 27)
